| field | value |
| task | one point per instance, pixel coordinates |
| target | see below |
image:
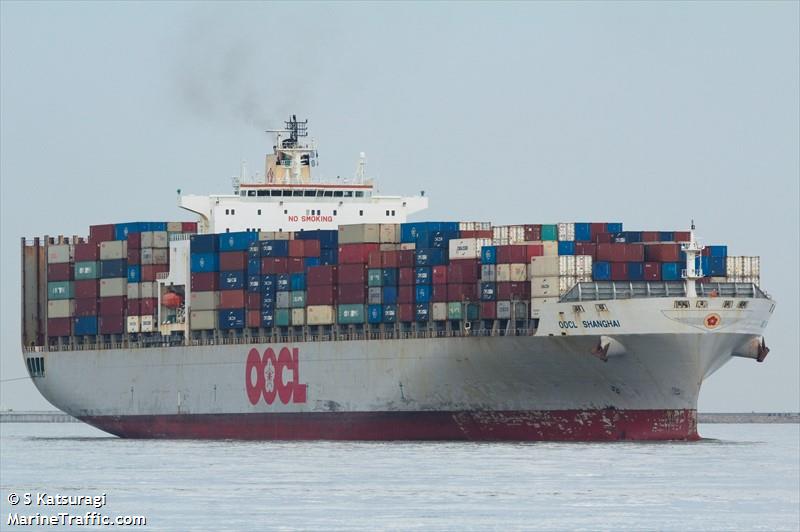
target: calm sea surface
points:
(741, 477)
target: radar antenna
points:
(293, 159)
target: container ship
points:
(301, 309)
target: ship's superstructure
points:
(302, 309)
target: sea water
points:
(739, 477)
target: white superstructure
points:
(288, 199)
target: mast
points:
(693, 271)
(293, 158)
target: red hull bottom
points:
(553, 425)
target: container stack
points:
(743, 270)
(60, 289)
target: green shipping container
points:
(473, 309)
(375, 277)
(454, 311)
(549, 232)
(282, 317)
(59, 290)
(86, 270)
(349, 314)
(297, 299)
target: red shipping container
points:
(189, 227)
(619, 271)
(254, 318)
(132, 307)
(439, 274)
(321, 295)
(586, 248)
(681, 236)
(439, 293)
(390, 259)
(87, 288)
(87, 252)
(652, 271)
(405, 294)
(406, 258)
(356, 253)
(86, 307)
(101, 233)
(405, 312)
(253, 301)
(274, 265)
(111, 324)
(59, 326)
(352, 274)
(112, 306)
(534, 250)
(513, 290)
(60, 272)
(488, 310)
(611, 252)
(232, 260)
(148, 306)
(512, 254)
(321, 276)
(375, 259)
(532, 232)
(135, 240)
(296, 248)
(406, 277)
(463, 271)
(311, 248)
(134, 256)
(150, 271)
(205, 281)
(462, 292)
(351, 293)
(634, 252)
(603, 238)
(596, 229)
(295, 265)
(232, 299)
(662, 253)
(651, 236)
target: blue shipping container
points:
(422, 312)
(298, 281)
(85, 325)
(717, 266)
(389, 313)
(374, 314)
(274, 248)
(231, 319)
(635, 271)
(134, 273)
(422, 275)
(267, 298)
(488, 291)
(254, 283)
(583, 232)
(718, 251)
(283, 282)
(633, 236)
(601, 271)
(231, 280)
(488, 255)
(308, 262)
(254, 266)
(113, 268)
(389, 294)
(204, 262)
(267, 316)
(422, 293)
(390, 276)
(671, 271)
(121, 231)
(328, 256)
(430, 257)
(614, 227)
(203, 244)
(566, 248)
(239, 241)
(666, 236)
(269, 281)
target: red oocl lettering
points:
(266, 376)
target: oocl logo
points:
(712, 321)
(265, 376)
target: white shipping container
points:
(148, 289)
(545, 287)
(320, 314)
(545, 267)
(388, 247)
(504, 310)
(160, 239)
(583, 266)
(276, 235)
(282, 300)
(155, 256)
(550, 248)
(518, 272)
(115, 286)
(466, 226)
(147, 323)
(113, 250)
(503, 273)
(488, 273)
(203, 320)
(566, 231)
(298, 316)
(134, 291)
(467, 248)
(500, 232)
(516, 234)
(59, 254)
(175, 227)
(439, 311)
(60, 308)
(133, 324)
(204, 300)
(374, 295)
(359, 233)
(389, 233)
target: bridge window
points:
(348, 193)
(275, 193)
(338, 193)
(298, 194)
(361, 213)
(359, 194)
(334, 212)
(263, 192)
(287, 193)
(227, 211)
(319, 212)
(233, 211)
(251, 192)
(328, 193)
(285, 211)
(310, 193)
(259, 211)
(387, 213)
(392, 213)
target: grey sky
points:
(646, 113)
